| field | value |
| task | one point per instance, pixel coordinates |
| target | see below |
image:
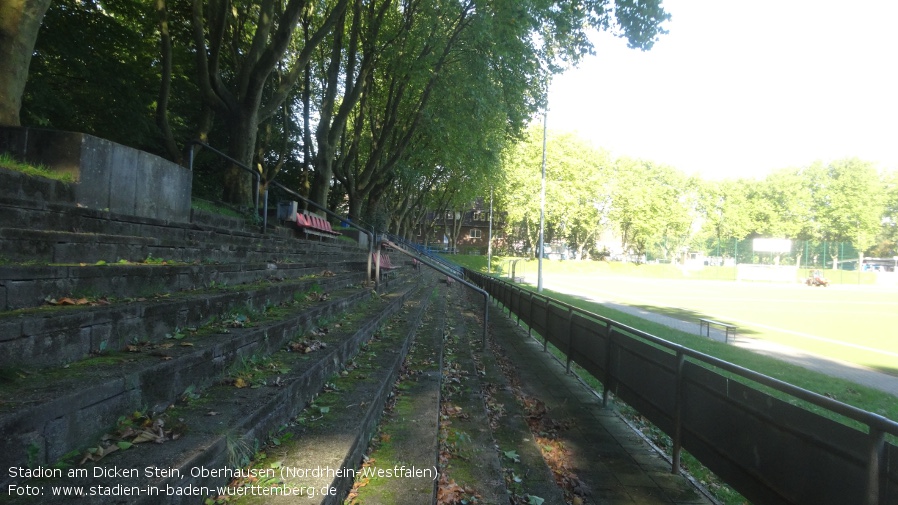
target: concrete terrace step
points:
(16, 185)
(333, 433)
(66, 234)
(606, 460)
(30, 286)
(45, 415)
(56, 335)
(226, 425)
(408, 435)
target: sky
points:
(738, 88)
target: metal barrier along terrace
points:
(765, 447)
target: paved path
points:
(835, 368)
(615, 464)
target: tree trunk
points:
(20, 22)
(238, 183)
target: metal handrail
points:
(878, 425)
(423, 251)
(256, 175)
(486, 296)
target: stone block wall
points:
(108, 176)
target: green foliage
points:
(405, 97)
(98, 52)
(577, 197)
(8, 162)
(657, 211)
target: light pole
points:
(489, 245)
(542, 209)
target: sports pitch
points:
(853, 323)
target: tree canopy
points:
(395, 107)
(341, 99)
(657, 211)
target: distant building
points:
(457, 231)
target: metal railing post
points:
(609, 349)
(377, 261)
(265, 213)
(570, 339)
(530, 317)
(678, 416)
(874, 466)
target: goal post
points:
(769, 272)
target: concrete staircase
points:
(144, 360)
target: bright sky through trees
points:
(739, 88)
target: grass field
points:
(858, 324)
(851, 322)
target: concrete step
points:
(484, 447)
(16, 185)
(333, 433)
(24, 287)
(54, 335)
(407, 438)
(46, 414)
(86, 236)
(225, 425)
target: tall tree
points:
(887, 241)
(649, 207)
(109, 77)
(503, 50)
(355, 48)
(20, 22)
(239, 45)
(726, 211)
(851, 202)
(781, 205)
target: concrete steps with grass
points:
(47, 413)
(147, 323)
(40, 223)
(75, 328)
(320, 453)
(213, 430)
(407, 438)
(62, 233)
(455, 409)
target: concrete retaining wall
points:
(108, 176)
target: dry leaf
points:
(144, 436)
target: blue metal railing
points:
(426, 252)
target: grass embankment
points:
(10, 163)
